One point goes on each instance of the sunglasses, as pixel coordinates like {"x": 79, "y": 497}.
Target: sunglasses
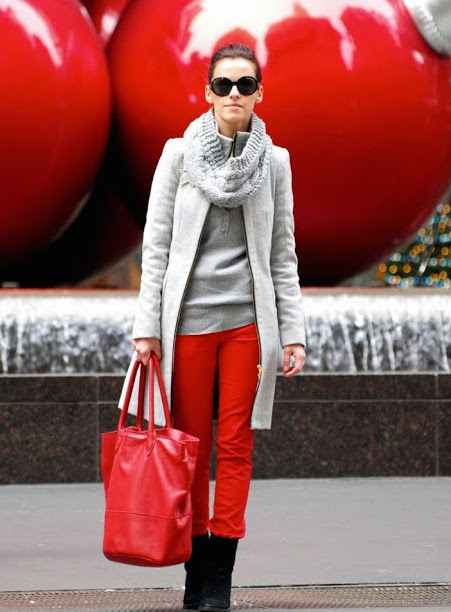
{"x": 222, "y": 86}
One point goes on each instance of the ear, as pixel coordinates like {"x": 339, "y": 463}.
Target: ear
{"x": 208, "y": 94}
{"x": 259, "y": 95}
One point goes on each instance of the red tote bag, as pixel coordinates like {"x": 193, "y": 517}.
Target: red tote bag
{"x": 147, "y": 475}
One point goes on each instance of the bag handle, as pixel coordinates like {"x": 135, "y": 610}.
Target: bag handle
{"x": 128, "y": 395}
{"x": 154, "y": 365}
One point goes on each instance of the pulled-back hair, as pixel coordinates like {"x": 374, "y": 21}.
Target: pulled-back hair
{"x": 234, "y": 50}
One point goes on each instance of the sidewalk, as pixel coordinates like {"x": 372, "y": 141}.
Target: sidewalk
{"x": 300, "y": 532}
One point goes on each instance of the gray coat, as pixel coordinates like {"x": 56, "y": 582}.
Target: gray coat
{"x": 176, "y": 215}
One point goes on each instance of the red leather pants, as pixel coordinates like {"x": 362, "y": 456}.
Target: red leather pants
{"x": 234, "y": 355}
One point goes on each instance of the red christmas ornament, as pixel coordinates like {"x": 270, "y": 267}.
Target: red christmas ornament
{"x": 352, "y": 89}
{"x": 55, "y": 115}
{"x": 104, "y": 228}
{"x": 101, "y": 235}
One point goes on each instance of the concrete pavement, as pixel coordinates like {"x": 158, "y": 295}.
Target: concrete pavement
{"x": 300, "y": 532}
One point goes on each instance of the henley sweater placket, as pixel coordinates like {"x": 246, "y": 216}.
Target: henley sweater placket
{"x": 219, "y": 294}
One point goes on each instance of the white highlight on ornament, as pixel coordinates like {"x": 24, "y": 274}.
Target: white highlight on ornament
{"x": 34, "y": 25}
{"x": 207, "y": 21}
{"x": 418, "y": 57}
{"x": 108, "y": 23}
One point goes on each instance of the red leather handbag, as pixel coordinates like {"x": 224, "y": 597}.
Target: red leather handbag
{"x": 147, "y": 476}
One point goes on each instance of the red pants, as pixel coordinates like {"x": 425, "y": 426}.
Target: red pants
{"x": 234, "y": 355}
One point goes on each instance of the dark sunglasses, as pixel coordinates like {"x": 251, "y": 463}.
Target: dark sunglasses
{"x": 222, "y": 86}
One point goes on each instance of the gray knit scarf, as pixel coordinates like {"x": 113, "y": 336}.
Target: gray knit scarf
{"x": 225, "y": 182}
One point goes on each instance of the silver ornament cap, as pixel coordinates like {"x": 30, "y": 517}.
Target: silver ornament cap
{"x": 433, "y": 19}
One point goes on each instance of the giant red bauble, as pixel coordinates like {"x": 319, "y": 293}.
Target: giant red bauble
{"x": 104, "y": 232}
{"x": 351, "y": 89}
{"x": 55, "y": 112}
{"x": 101, "y": 235}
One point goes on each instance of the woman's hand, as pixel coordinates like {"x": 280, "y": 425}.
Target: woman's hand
{"x": 144, "y": 347}
{"x": 298, "y": 352}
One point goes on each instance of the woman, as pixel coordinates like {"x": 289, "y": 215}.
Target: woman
{"x": 219, "y": 292}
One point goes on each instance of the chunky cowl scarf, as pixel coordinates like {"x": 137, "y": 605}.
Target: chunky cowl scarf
{"x": 225, "y": 182}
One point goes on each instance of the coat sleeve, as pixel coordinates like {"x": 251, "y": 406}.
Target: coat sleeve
{"x": 157, "y": 241}
{"x": 284, "y": 262}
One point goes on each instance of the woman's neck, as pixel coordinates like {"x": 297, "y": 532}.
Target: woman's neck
{"x": 230, "y": 130}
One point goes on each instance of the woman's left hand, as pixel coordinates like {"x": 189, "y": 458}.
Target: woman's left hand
{"x": 298, "y": 352}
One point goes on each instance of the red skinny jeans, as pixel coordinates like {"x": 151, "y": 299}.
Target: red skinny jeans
{"x": 232, "y": 355}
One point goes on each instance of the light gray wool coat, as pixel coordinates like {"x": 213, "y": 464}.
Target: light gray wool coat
{"x": 175, "y": 219}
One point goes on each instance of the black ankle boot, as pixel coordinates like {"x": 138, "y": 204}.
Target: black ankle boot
{"x": 196, "y": 568}
{"x": 218, "y": 582}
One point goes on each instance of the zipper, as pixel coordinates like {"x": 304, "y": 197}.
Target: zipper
{"x": 259, "y": 365}
{"x": 186, "y": 288}
{"x": 232, "y": 149}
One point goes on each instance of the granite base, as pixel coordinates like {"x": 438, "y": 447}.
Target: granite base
{"x": 324, "y": 426}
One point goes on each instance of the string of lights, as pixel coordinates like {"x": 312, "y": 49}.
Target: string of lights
{"x": 426, "y": 262}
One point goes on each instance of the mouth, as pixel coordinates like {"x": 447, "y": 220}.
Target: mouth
{"x": 233, "y": 106}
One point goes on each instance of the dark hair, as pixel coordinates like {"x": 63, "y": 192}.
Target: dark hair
{"x": 234, "y": 50}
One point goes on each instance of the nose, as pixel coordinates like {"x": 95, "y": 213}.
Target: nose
{"x": 234, "y": 91}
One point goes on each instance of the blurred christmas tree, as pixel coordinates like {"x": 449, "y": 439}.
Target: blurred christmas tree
{"x": 426, "y": 262}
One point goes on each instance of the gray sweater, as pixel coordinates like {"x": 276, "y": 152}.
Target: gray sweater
{"x": 219, "y": 293}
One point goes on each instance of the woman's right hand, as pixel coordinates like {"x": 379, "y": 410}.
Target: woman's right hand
{"x": 144, "y": 347}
